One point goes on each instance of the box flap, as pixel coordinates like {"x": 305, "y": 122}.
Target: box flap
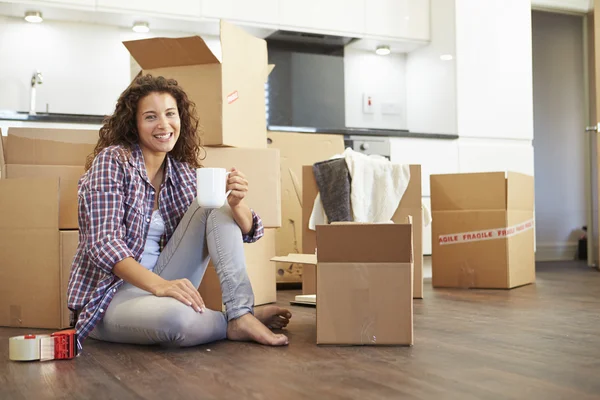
{"x": 270, "y": 68}
{"x": 23, "y": 150}
{"x": 364, "y": 243}
{"x": 472, "y": 191}
{"x": 310, "y": 259}
{"x": 520, "y": 191}
{"x": 170, "y": 52}
{"x": 29, "y": 203}
{"x": 2, "y": 159}
{"x": 89, "y": 136}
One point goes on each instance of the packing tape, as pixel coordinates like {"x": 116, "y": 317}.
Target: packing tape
{"x": 487, "y": 234}
{"x": 26, "y": 348}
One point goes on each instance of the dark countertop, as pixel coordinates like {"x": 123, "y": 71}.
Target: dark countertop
{"x": 363, "y": 132}
{"x": 7, "y": 115}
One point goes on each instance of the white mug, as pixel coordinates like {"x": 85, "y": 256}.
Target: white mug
{"x": 211, "y": 184}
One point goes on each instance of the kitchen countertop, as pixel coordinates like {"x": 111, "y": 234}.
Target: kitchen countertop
{"x": 7, "y": 115}
{"x": 364, "y": 132}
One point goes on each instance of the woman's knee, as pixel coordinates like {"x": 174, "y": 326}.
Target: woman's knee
{"x": 182, "y": 326}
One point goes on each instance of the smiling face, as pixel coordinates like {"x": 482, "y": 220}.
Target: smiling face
{"x": 158, "y": 123}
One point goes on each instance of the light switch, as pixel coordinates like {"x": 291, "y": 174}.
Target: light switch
{"x": 368, "y": 104}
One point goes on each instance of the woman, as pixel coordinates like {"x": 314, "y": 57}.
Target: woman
{"x": 144, "y": 243}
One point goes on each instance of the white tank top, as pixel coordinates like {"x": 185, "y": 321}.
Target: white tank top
{"x": 152, "y": 247}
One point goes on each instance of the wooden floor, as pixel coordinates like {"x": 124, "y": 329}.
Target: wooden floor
{"x": 537, "y": 342}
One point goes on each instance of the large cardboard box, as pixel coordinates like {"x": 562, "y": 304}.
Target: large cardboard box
{"x": 260, "y": 271}
{"x": 36, "y": 256}
{"x": 297, "y": 150}
{"x": 364, "y": 283}
{"x": 410, "y": 205}
{"x": 229, "y": 91}
{"x": 482, "y": 230}
{"x": 50, "y": 153}
{"x": 261, "y": 167}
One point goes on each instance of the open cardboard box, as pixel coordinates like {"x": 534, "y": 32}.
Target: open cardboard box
{"x": 261, "y": 167}
{"x": 410, "y": 205}
{"x": 364, "y": 287}
{"x": 38, "y": 198}
{"x": 49, "y": 153}
{"x": 297, "y": 150}
{"x": 229, "y": 93}
{"x": 483, "y": 230}
{"x": 260, "y": 271}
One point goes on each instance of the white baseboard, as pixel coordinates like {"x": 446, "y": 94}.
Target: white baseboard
{"x": 556, "y": 251}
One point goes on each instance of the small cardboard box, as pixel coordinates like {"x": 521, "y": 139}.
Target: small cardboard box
{"x": 36, "y": 256}
{"x": 482, "y": 230}
{"x": 260, "y": 271}
{"x": 364, "y": 283}
{"x": 261, "y": 167}
{"x": 410, "y": 205}
{"x": 297, "y": 150}
{"x": 229, "y": 93}
{"x": 49, "y": 153}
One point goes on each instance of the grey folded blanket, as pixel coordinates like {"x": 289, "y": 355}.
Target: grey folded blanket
{"x": 333, "y": 180}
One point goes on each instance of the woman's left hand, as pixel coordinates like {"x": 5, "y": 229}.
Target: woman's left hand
{"x": 237, "y": 183}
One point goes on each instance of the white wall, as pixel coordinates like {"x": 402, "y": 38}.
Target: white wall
{"x": 430, "y": 80}
{"x": 85, "y": 66}
{"x": 560, "y": 138}
{"x": 384, "y": 78}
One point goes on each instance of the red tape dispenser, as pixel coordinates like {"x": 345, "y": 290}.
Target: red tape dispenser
{"x": 61, "y": 345}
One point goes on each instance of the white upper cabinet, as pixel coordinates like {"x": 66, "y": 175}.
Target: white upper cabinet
{"x": 254, "y": 12}
{"x": 335, "y": 16}
{"x": 406, "y": 19}
{"x": 84, "y": 4}
{"x": 180, "y": 8}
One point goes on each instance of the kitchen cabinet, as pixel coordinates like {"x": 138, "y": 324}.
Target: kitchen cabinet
{"x": 80, "y": 4}
{"x": 254, "y": 12}
{"x": 346, "y": 17}
{"x": 406, "y": 19}
{"x": 178, "y": 8}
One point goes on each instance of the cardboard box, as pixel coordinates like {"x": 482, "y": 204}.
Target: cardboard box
{"x": 297, "y": 150}
{"x": 364, "y": 283}
{"x": 260, "y": 271}
{"x": 36, "y": 256}
{"x": 50, "y": 153}
{"x": 261, "y": 167}
{"x": 229, "y": 92}
{"x": 410, "y": 205}
{"x": 482, "y": 230}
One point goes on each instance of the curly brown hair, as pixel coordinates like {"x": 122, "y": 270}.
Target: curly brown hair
{"x": 120, "y": 128}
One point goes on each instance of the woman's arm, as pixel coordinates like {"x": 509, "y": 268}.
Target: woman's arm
{"x": 242, "y": 214}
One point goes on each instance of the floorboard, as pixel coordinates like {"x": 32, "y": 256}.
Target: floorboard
{"x": 540, "y": 341}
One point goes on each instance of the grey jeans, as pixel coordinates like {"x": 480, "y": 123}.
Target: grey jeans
{"x": 139, "y": 317}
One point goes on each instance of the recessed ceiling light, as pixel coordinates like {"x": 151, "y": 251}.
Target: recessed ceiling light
{"x": 141, "y": 27}
{"x": 383, "y": 50}
{"x": 33, "y": 16}
{"x": 446, "y": 57}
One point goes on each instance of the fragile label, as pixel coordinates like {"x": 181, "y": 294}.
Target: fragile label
{"x": 233, "y": 97}
{"x": 488, "y": 234}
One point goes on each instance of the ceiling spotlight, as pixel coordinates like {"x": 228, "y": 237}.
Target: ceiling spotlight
{"x": 446, "y": 57}
{"x": 33, "y": 16}
{"x": 141, "y": 27}
{"x": 383, "y": 50}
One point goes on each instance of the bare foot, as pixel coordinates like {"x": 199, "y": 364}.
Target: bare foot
{"x": 249, "y": 328}
{"x": 272, "y": 316}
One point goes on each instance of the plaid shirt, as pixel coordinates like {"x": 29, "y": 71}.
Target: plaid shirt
{"x": 116, "y": 200}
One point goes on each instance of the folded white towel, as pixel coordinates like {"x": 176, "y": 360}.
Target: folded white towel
{"x": 377, "y": 186}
